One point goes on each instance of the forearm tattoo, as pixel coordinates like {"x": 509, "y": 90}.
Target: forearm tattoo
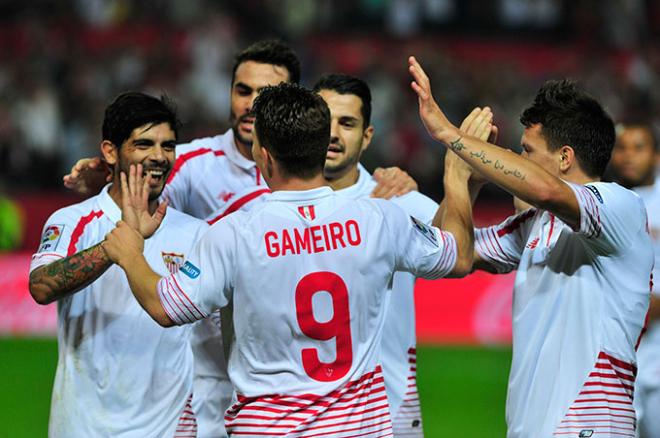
{"x": 72, "y": 273}
{"x": 457, "y": 146}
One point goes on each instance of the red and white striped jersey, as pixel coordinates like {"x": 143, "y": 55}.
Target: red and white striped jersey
{"x": 118, "y": 372}
{"x": 210, "y": 178}
{"x": 399, "y": 336}
{"x": 579, "y": 305}
{"x": 309, "y": 293}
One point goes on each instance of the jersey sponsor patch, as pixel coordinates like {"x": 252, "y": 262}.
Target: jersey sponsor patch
{"x": 173, "y": 261}
{"x": 425, "y": 230}
{"x": 596, "y": 193}
{"x": 587, "y": 432}
{"x": 51, "y": 238}
{"x": 190, "y": 270}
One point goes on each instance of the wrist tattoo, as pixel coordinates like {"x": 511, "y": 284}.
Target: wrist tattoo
{"x": 456, "y": 145}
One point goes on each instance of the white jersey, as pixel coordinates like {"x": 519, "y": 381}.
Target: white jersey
{"x": 119, "y": 373}
{"x": 648, "y": 356}
{"x": 399, "y": 336}
{"x": 579, "y": 304}
{"x": 307, "y": 275}
{"x": 210, "y": 178}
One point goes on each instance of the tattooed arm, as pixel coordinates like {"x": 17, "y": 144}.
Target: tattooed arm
{"x": 517, "y": 175}
{"x": 64, "y": 277}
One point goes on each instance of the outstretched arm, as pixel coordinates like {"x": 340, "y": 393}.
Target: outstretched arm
{"x": 515, "y": 174}
{"x": 64, "y": 277}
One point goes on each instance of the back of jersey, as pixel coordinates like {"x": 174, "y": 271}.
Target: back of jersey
{"x": 311, "y": 274}
{"x": 308, "y": 314}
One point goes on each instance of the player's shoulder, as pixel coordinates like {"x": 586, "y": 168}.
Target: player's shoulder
{"x": 418, "y": 205}
{"x": 614, "y": 196}
{"x": 200, "y": 146}
{"x": 74, "y": 212}
{"x": 178, "y": 221}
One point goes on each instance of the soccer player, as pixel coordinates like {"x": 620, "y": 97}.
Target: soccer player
{"x": 349, "y": 101}
{"x": 118, "y": 373}
{"x": 215, "y": 176}
{"x": 307, "y": 272}
{"x": 583, "y": 257}
{"x": 633, "y": 163}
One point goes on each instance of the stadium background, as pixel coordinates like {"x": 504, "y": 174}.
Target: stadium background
{"x": 61, "y": 62}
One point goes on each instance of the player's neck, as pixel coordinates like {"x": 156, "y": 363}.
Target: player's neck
{"x": 115, "y": 194}
{"x": 577, "y": 176}
{"x": 243, "y": 149}
{"x": 297, "y": 184}
{"x": 346, "y": 180}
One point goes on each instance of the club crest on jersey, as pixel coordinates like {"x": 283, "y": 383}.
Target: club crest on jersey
{"x": 190, "y": 270}
{"x": 51, "y": 238}
{"x": 596, "y": 193}
{"x": 173, "y": 261}
{"x": 586, "y": 433}
{"x": 307, "y": 211}
{"x": 425, "y": 230}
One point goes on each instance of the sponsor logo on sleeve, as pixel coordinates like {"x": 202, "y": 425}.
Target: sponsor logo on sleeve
{"x": 51, "y": 238}
{"x": 596, "y": 193}
{"x": 586, "y": 433}
{"x": 190, "y": 270}
{"x": 425, "y": 231}
{"x": 173, "y": 261}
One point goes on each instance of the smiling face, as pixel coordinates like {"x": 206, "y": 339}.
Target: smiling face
{"x": 348, "y": 135}
{"x": 250, "y": 78}
{"x": 151, "y": 145}
{"x": 634, "y": 157}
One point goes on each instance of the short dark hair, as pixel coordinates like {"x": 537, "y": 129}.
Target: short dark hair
{"x": 131, "y": 110}
{"x": 293, "y": 124}
{"x": 569, "y": 116}
{"x": 273, "y": 52}
{"x": 345, "y": 84}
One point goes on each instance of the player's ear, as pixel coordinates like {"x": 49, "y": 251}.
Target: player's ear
{"x": 566, "y": 158}
{"x": 268, "y": 160}
{"x": 110, "y": 152}
{"x": 366, "y": 137}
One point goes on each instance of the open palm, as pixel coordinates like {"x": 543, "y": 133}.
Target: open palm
{"x": 135, "y": 203}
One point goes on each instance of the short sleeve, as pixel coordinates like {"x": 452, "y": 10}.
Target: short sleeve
{"x": 56, "y": 237}
{"x": 204, "y": 282}
{"x": 422, "y": 250}
{"x": 502, "y": 245}
{"x": 610, "y": 215}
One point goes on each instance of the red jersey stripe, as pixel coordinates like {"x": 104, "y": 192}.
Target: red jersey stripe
{"x": 80, "y": 228}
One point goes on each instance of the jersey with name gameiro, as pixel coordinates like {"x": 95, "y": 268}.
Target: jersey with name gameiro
{"x": 211, "y": 179}
{"x": 307, "y": 275}
{"x": 119, "y": 373}
{"x": 399, "y": 337}
{"x": 579, "y": 304}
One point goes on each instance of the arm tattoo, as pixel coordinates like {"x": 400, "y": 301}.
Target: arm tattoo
{"x": 456, "y": 145}
{"x": 72, "y": 273}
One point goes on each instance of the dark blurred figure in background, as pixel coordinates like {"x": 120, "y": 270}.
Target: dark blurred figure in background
{"x": 634, "y": 165}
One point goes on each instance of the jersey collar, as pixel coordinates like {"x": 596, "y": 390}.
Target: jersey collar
{"x": 300, "y": 195}
{"x": 108, "y": 205}
{"x": 232, "y": 153}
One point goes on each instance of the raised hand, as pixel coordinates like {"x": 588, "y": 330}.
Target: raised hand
{"x": 432, "y": 116}
{"x": 88, "y": 176}
{"x": 392, "y": 181}
{"x": 135, "y": 203}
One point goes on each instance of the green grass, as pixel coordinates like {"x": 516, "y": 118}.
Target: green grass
{"x": 463, "y": 389}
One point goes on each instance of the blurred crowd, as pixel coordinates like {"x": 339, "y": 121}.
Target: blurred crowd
{"x": 61, "y": 62}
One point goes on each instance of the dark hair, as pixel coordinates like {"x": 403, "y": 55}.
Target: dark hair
{"x": 345, "y": 84}
{"x": 569, "y": 116}
{"x": 132, "y": 110}
{"x": 273, "y": 52}
{"x": 293, "y": 123}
